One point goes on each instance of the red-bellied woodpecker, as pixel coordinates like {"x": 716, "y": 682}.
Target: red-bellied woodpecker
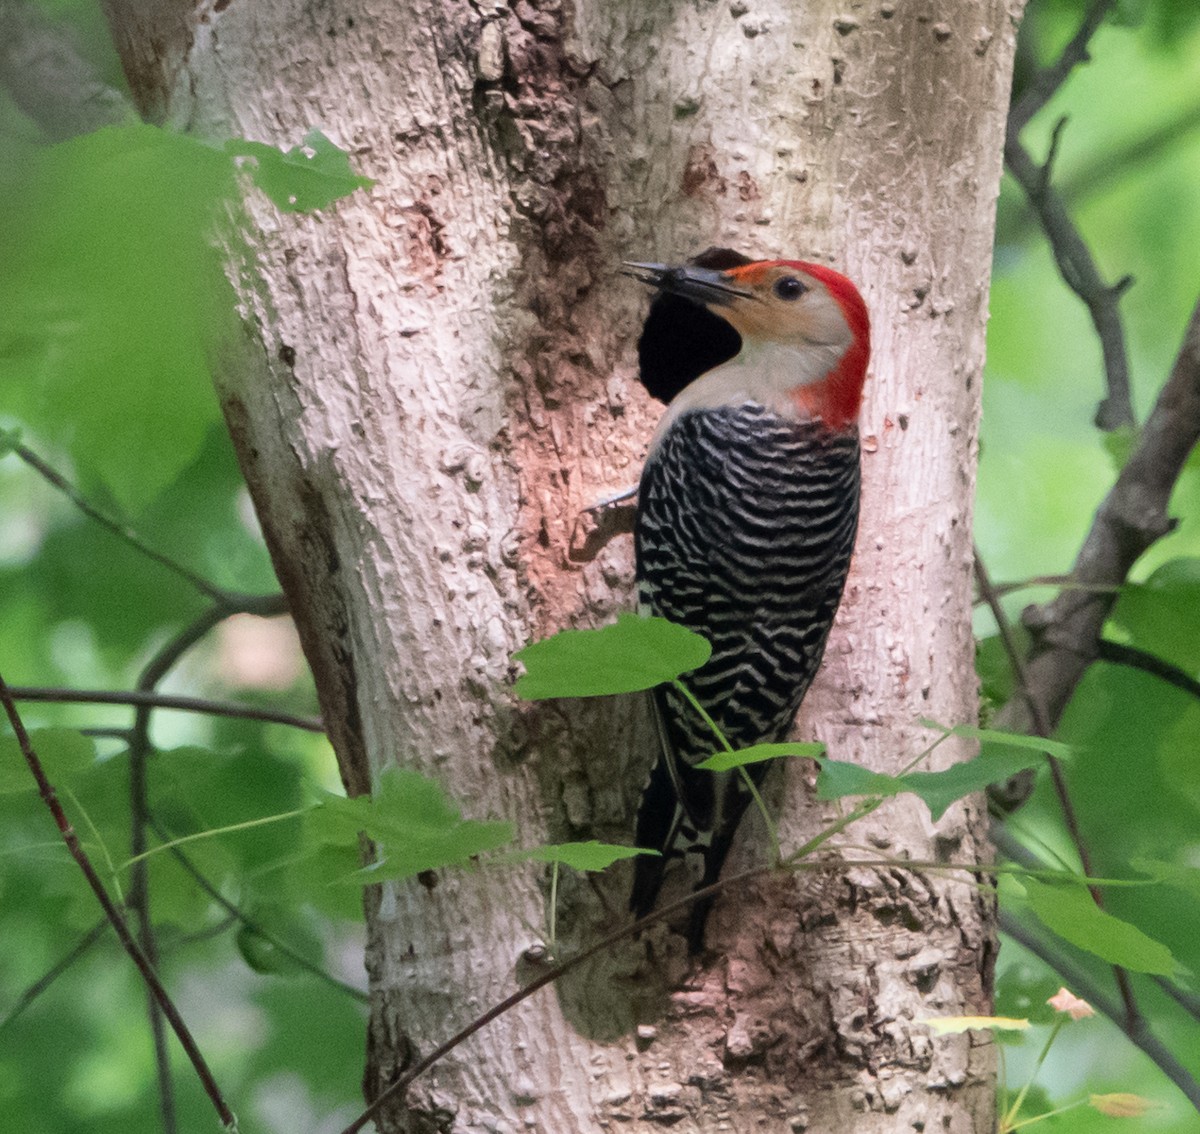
{"x": 747, "y": 513}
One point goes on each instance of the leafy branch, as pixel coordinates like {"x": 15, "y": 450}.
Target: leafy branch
{"x": 1067, "y": 632}
{"x": 639, "y": 653}
{"x": 144, "y": 698}
{"x": 1080, "y": 979}
{"x": 415, "y": 828}
{"x": 114, "y": 915}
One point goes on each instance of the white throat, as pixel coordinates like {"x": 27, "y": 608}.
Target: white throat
{"x": 764, "y": 372}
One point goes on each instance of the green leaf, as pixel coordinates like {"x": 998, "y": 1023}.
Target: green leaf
{"x": 1068, "y": 910}
{"x": 940, "y": 789}
{"x": 263, "y": 955}
{"x": 63, "y": 752}
{"x": 1007, "y": 739}
{"x": 316, "y": 878}
{"x": 1162, "y": 615}
{"x": 113, "y": 294}
{"x": 839, "y": 778}
{"x": 590, "y": 856}
{"x": 307, "y": 177}
{"x": 759, "y": 753}
{"x": 634, "y": 653}
{"x": 413, "y": 823}
{"x": 954, "y": 1025}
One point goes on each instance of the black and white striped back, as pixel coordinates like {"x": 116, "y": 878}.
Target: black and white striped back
{"x": 745, "y": 528}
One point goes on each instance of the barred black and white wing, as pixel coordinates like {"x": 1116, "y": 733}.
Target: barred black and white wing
{"x": 746, "y": 524}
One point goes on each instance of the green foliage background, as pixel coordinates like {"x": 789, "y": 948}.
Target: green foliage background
{"x": 1128, "y": 164}
{"x": 109, "y": 301}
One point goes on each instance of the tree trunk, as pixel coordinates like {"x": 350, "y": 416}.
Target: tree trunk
{"x": 439, "y": 374}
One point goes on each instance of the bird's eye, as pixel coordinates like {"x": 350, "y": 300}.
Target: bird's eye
{"x": 789, "y": 288}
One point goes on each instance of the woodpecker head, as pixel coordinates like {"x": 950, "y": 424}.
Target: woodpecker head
{"x": 801, "y": 329}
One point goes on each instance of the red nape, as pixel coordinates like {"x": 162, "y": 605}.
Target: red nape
{"x": 837, "y": 398}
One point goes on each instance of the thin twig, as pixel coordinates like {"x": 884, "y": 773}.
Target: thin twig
{"x": 1046, "y": 83}
{"x": 1080, "y": 982}
{"x": 116, "y": 919}
{"x": 396, "y": 1088}
{"x": 1081, "y": 275}
{"x": 1041, "y": 722}
{"x": 1108, "y": 166}
{"x": 1071, "y": 254}
{"x": 153, "y": 699}
{"x": 140, "y": 749}
{"x": 122, "y": 531}
{"x": 229, "y": 601}
{"x": 208, "y": 933}
{"x": 56, "y": 970}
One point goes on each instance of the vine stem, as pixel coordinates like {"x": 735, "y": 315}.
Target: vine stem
{"x": 212, "y": 832}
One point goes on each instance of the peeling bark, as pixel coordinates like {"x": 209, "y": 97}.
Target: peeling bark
{"x": 438, "y": 376}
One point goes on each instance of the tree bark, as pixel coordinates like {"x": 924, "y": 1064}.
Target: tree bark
{"x": 437, "y": 377}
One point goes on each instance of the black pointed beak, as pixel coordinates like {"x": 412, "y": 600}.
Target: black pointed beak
{"x": 700, "y": 285}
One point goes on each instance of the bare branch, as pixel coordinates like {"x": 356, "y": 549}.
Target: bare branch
{"x": 116, "y": 919}
{"x": 1110, "y": 166}
{"x": 1080, "y": 274}
{"x": 156, "y": 700}
{"x": 1074, "y": 260}
{"x": 229, "y": 602}
{"x": 1042, "y": 89}
{"x": 1119, "y": 654}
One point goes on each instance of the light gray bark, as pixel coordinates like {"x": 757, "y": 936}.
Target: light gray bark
{"x": 438, "y": 375}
